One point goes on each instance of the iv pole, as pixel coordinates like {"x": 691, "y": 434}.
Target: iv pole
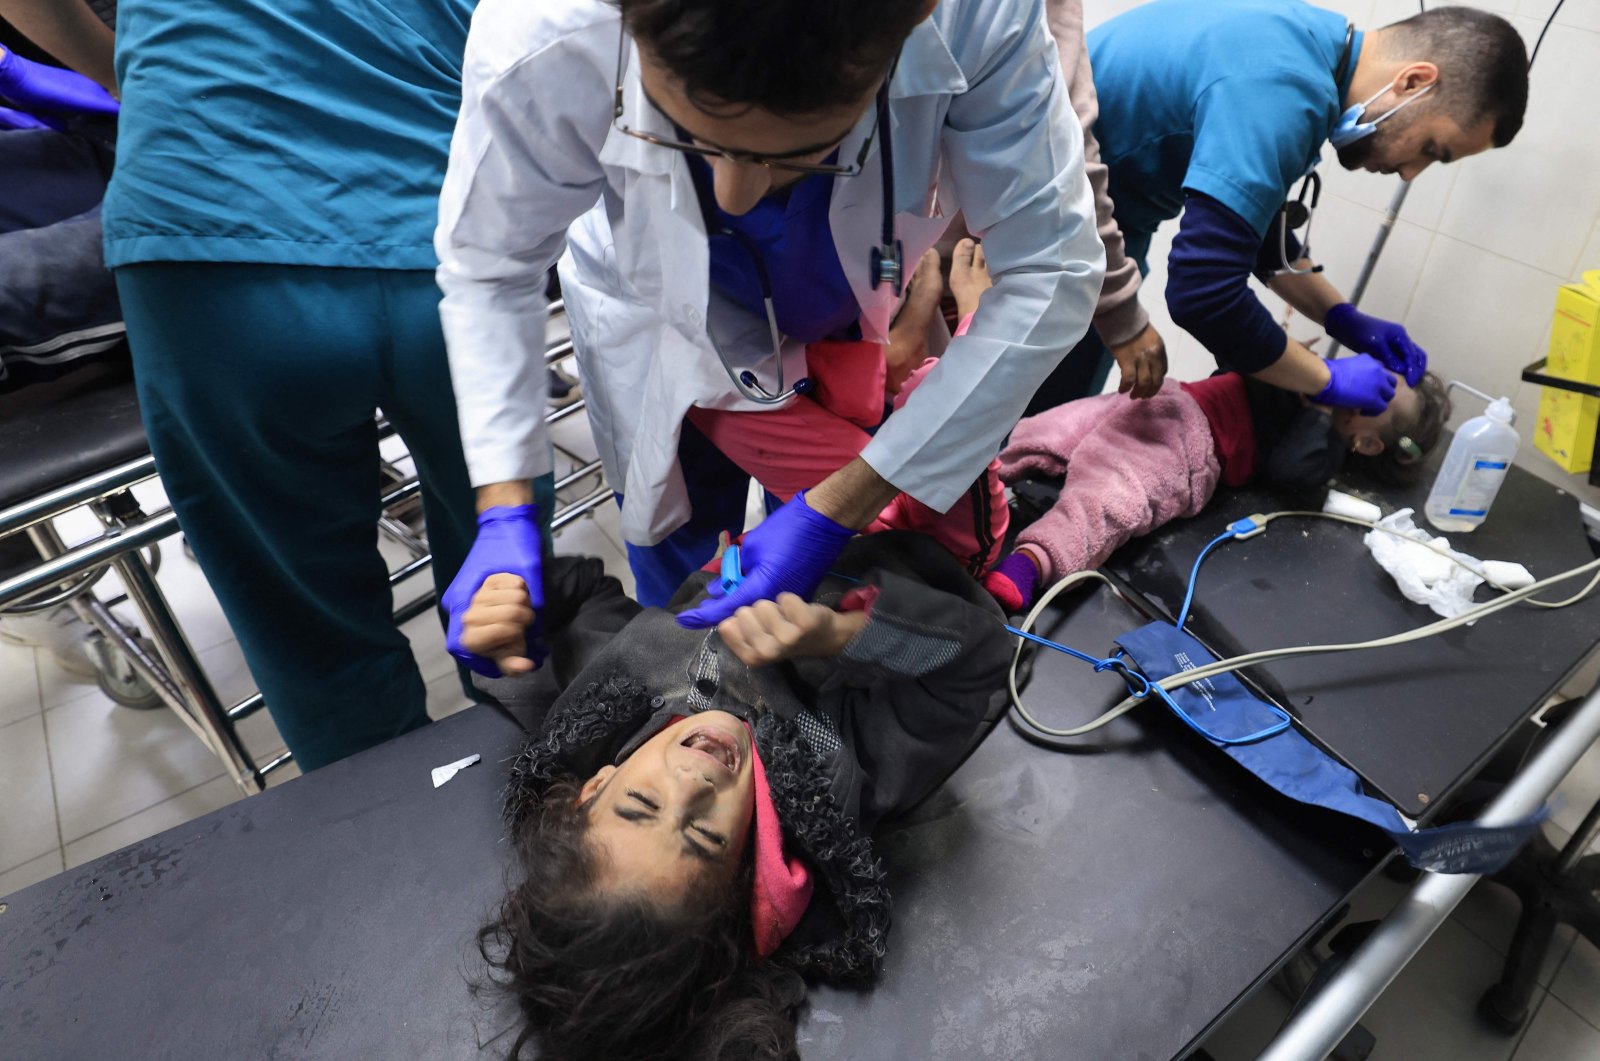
{"x": 1376, "y": 251}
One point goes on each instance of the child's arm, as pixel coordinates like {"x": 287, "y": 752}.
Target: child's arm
{"x": 584, "y": 608}
{"x": 496, "y": 623}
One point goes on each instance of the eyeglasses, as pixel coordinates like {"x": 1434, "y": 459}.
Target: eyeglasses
{"x": 746, "y": 157}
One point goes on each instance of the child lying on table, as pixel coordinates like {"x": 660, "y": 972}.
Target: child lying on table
{"x": 1133, "y": 466}
{"x": 692, "y": 814}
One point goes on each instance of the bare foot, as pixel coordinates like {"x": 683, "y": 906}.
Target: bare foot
{"x": 969, "y": 276}
{"x": 908, "y": 336}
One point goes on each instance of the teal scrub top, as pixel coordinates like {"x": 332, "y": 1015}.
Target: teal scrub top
{"x": 1230, "y": 98}
{"x": 291, "y": 132}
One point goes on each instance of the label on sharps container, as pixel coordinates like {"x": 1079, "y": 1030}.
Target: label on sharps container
{"x": 1485, "y": 473}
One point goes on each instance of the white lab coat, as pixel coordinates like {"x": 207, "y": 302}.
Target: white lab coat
{"x": 982, "y": 123}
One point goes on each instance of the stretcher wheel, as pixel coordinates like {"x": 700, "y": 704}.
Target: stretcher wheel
{"x": 119, "y": 681}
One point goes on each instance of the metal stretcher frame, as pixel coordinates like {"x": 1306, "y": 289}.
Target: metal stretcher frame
{"x": 174, "y": 671}
{"x": 1313, "y": 1032}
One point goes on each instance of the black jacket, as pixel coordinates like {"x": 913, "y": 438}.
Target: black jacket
{"x": 1297, "y": 449}
{"x": 845, "y": 742}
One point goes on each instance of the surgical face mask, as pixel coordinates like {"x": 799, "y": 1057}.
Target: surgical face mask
{"x": 1351, "y": 128}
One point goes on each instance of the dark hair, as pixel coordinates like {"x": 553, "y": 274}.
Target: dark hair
{"x": 620, "y": 978}
{"x": 1394, "y": 465}
{"x": 790, "y": 57}
{"x": 1483, "y": 64}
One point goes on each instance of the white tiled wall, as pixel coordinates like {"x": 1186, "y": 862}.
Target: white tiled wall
{"x": 1481, "y": 246}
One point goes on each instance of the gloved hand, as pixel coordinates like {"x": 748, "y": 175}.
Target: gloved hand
{"x": 15, "y": 119}
{"x": 508, "y": 541}
{"x": 48, "y": 88}
{"x": 1359, "y": 383}
{"x": 788, "y": 552}
{"x": 1384, "y": 340}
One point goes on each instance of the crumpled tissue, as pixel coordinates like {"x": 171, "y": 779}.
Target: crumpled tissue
{"x": 1422, "y": 566}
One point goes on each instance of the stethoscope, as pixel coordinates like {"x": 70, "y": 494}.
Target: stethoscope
{"x": 1302, "y": 209}
{"x": 886, "y": 267}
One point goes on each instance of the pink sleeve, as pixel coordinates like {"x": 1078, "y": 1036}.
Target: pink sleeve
{"x": 961, "y": 329}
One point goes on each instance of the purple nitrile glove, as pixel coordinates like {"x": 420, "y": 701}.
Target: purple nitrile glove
{"x": 1359, "y": 383}
{"x": 788, "y": 552}
{"x": 508, "y": 542}
{"x": 13, "y": 119}
{"x": 48, "y": 88}
{"x": 1384, "y": 340}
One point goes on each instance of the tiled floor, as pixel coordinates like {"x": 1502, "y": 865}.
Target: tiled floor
{"x": 81, "y": 777}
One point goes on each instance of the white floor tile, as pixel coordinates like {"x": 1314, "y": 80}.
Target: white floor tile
{"x": 19, "y": 683}
{"x": 609, "y": 519}
{"x": 186, "y": 806}
{"x": 585, "y": 537}
{"x": 1558, "y": 1034}
{"x": 427, "y": 645}
{"x": 446, "y": 697}
{"x": 1490, "y": 912}
{"x": 1430, "y": 1011}
{"x": 28, "y": 827}
{"x": 109, "y": 762}
{"x": 41, "y": 868}
{"x": 58, "y": 687}
{"x": 574, "y": 436}
{"x": 1578, "y": 982}
{"x": 191, "y": 598}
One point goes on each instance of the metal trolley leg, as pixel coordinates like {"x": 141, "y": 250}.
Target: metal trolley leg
{"x": 177, "y": 676}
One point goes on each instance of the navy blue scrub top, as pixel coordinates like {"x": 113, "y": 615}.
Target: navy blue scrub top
{"x": 811, "y": 297}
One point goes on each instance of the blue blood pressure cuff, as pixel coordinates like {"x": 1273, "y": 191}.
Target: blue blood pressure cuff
{"x": 1229, "y": 716}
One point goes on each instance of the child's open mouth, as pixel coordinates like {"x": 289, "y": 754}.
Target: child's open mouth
{"x": 718, "y": 746}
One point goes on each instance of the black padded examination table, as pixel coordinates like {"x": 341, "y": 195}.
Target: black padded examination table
{"x": 1414, "y": 720}
{"x": 1095, "y": 905}
{"x": 1110, "y": 902}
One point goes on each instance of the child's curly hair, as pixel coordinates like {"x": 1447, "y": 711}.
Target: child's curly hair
{"x": 1400, "y": 463}
{"x": 598, "y": 975}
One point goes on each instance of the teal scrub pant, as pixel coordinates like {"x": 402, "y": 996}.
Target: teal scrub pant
{"x": 258, "y": 386}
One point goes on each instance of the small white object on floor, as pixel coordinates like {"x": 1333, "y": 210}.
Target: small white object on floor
{"x": 1342, "y": 504}
{"x": 441, "y": 774}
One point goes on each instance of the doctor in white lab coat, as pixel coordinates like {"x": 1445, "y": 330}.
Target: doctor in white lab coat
{"x": 542, "y": 162}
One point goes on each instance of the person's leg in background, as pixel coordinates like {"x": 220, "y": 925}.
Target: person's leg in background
{"x": 417, "y": 396}
{"x": 718, "y": 492}
{"x": 50, "y": 177}
{"x": 258, "y": 385}
{"x": 58, "y": 304}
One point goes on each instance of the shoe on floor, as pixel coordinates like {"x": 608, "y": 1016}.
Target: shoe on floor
{"x": 564, "y": 388}
{"x": 60, "y": 632}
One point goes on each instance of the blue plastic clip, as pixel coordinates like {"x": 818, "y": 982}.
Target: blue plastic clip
{"x": 732, "y": 573}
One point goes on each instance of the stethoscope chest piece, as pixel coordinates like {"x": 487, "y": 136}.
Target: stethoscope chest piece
{"x": 888, "y": 266}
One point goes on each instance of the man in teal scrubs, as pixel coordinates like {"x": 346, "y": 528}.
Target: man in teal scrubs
{"x": 1217, "y": 108}
{"x": 270, "y": 225}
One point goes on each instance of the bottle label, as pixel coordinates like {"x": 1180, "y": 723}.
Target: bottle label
{"x": 1485, "y": 473}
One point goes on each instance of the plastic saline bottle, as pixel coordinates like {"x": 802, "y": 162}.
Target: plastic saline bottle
{"x": 1473, "y": 470}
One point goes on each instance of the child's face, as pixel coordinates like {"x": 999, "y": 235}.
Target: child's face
{"x": 675, "y": 814}
{"x": 1367, "y": 434}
